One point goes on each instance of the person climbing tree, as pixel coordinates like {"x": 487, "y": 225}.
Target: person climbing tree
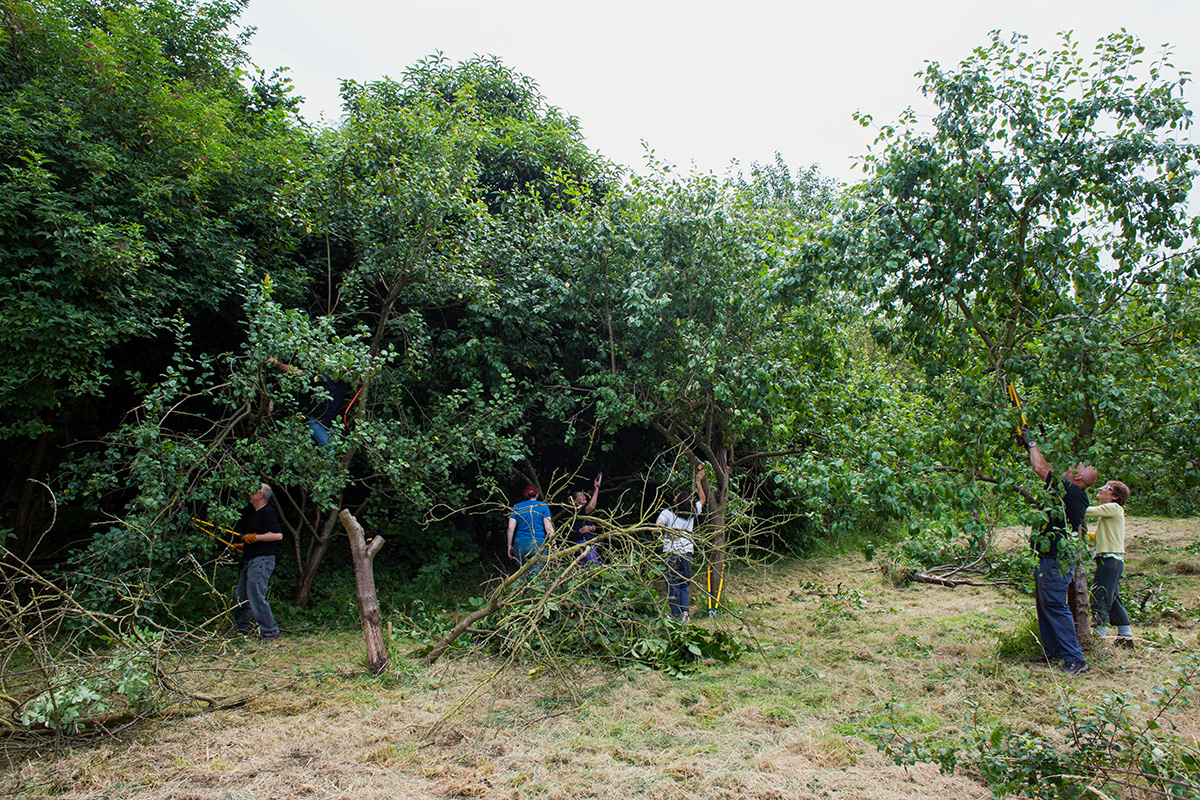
{"x": 329, "y": 402}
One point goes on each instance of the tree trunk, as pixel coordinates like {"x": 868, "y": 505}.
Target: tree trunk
{"x": 368, "y": 598}
{"x": 718, "y": 505}
{"x": 316, "y": 552}
{"x": 23, "y": 519}
{"x": 1079, "y": 600}
{"x": 320, "y": 543}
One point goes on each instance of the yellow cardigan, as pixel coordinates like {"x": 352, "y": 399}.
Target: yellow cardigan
{"x": 1110, "y": 533}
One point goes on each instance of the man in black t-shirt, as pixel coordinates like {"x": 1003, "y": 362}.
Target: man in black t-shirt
{"x": 1067, "y": 501}
{"x": 261, "y": 534}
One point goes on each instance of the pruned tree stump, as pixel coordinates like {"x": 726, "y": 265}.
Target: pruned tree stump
{"x": 368, "y": 599}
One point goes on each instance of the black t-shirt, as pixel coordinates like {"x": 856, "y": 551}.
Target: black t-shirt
{"x": 326, "y": 411}
{"x": 1072, "y": 500}
{"x": 578, "y": 535}
{"x": 264, "y": 520}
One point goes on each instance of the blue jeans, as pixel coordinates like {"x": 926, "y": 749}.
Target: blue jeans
{"x": 679, "y": 578}
{"x": 525, "y": 550}
{"x": 252, "y": 596}
{"x": 1055, "y": 623}
{"x": 319, "y": 432}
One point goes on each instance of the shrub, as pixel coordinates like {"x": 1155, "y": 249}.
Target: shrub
{"x": 1107, "y": 748}
{"x": 611, "y": 614}
{"x": 127, "y": 680}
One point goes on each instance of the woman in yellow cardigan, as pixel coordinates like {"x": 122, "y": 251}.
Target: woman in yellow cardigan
{"x": 1110, "y": 561}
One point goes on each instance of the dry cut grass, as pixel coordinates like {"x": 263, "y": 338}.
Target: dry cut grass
{"x": 839, "y": 649}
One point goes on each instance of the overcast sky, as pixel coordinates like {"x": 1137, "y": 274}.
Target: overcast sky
{"x": 700, "y": 82}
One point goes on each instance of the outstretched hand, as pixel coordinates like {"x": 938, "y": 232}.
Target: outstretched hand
{"x": 1025, "y": 437}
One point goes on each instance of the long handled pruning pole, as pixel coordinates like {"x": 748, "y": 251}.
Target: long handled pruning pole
{"x": 1023, "y": 425}
{"x": 714, "y": 601}
{"x": 211, "y": 530}
{"x": 350, "y": 405}
{"x": 1016, "y": 403}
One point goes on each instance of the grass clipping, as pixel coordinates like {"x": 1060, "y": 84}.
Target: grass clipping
{"x": 839, "y": 652}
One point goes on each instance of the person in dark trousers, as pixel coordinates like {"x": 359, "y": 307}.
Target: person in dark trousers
{"x": 261, "y": 534}
{"x": 584, "y": 530}
{"x": 1110, "y": 562}
{"x": 1055, "y": 569}
{"x": 323, "y": 412}
{"x": 678, "y": 547}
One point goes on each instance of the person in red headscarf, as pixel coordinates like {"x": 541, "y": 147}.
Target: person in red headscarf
{"x": 529, "y": 527}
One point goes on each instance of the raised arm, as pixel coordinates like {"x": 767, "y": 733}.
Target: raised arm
{"x": 282, "y": 367}
{"x": 1041, "y": 466}
{"x": 1105, "y": 510}
{"x": 591, "y": 504}
{"x": 700, "y": 486}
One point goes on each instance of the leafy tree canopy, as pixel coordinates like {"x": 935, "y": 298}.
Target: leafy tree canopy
{"x": 130, "y": 147}
{"x": 1038, "y": 232}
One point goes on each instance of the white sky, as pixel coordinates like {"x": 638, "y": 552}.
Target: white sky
{"x": 701, "y": 82}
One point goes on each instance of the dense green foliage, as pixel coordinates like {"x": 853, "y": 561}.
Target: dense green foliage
{"x": 138, "y": 171}
{"x": 1110, "y": 745}
{"x": 511, "y": 308}
{"x": 1039, "y": 234}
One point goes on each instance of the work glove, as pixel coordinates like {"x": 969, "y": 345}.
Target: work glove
{"x": 249, "y": 538}
{"x": 1025, "y": 437}
{"x": 237, "y": 548}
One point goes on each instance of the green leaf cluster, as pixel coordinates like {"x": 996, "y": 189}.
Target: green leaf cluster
{"x": 127, "y": 680}
{"x": 1114, "y": 746}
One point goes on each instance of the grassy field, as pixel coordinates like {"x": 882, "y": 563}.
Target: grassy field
{"x": 840, "y": 650}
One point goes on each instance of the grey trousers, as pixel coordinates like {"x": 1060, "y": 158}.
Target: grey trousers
{"x": 252, "y": 596}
